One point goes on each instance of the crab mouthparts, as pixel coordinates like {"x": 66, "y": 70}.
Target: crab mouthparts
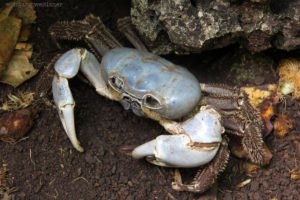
{"x": 132, "y": 103}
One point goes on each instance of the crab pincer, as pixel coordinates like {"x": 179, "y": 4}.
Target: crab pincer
{"x": 195, "y": 145}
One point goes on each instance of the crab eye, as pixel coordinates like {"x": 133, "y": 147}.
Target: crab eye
{"x": 116, "y": 83}
{"x": 151, "y": 102}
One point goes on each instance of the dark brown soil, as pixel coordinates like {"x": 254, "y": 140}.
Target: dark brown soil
{"x": 45, "y": 165}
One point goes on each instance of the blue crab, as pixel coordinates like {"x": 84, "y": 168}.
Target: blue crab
{"x": 155, "y": 88}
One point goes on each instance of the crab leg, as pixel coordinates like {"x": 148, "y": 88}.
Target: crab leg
{"x": 91, "y": 29}
{"x": 125, "y": 26}
{"x": 66, "y": 67}
{"x": 247, "y": 124}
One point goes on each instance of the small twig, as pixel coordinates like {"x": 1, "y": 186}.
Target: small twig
{"x": 22, "y": 139}
{"x": 80, "y": 178}
{"x": 171, "y": 196}
{"x": 160, "y": 172}
{"x": 31, "y": 160}
{"x": 51, "y": 182}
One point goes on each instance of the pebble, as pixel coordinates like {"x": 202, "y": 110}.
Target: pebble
{"x": 38, "y": 188}
{"x": 257, "y": 195}
{"x": 265, "y": 185}
{"x": 254, "y": 186}
{"x": 130, "y": 183}
{"x": 19, "y": 148}
{"x": 89, "y": 158}
{"x": 113, "y": 170}
{"x": 227, "y": 196}
{"x": 101, "y": 151}
{"x": 123, "y": 179}
{"x": 79, "y": 172}
{"x": 259, "y": 80}
{"x": 267, "y": 172}
{"x": 130, "y": 197}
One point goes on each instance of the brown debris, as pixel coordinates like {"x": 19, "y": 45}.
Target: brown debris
{"x": 15, "y": 125}
{"x": 295, "y": 175}
{"x": 3, "y": 173}
{"x": 289, "y": 81}
{"x": 19, "y": 101}
{"x": 3, "y": 183}
{"x": 250, "y": 169}
{"x": 282, "y": 125}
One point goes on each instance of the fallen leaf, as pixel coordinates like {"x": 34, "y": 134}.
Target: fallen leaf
{"x": 26, "y": 13}
{"x": 15, "y": 23}
{"x": 10, "y": 28}
{"x": 19, "y": 70}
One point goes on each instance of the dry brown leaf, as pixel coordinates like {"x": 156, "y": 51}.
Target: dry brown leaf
{"x": 10, "y": 28}
{"x": 23, "y": 46}
{"x": 15, "y": 24}
{"x": 19, "y": 70}
{"x": 26, "y": 13}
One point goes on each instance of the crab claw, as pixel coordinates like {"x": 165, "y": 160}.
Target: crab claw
{"x": 65, "y": 103}
{"x": 66, "y": 67}
{"x": 174, "y": 151}
{"x": 195, "y": 145}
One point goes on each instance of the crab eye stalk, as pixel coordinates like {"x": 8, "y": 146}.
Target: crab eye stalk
{"x": 116, "y": 83}
{"x": 151, "y": 102}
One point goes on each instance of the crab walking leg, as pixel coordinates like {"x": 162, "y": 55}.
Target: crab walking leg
{"x": 125, "y": 27}
{"x": 66, "y": 67}
{"x": 240, "y": 117}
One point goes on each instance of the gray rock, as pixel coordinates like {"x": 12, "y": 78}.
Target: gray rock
{"x": 196, "y": 25}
